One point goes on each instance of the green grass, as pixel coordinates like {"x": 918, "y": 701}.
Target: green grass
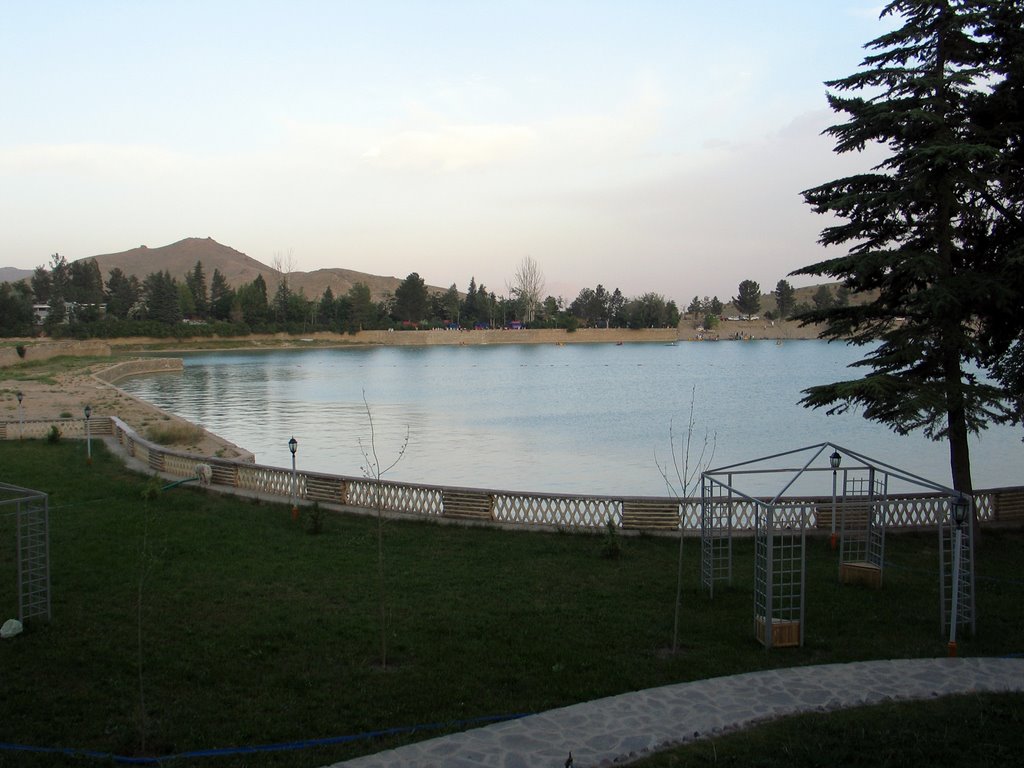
{"x": 254, "y": 632}
{"x": 965, "y": 731}
{"x": 47, "y": 370}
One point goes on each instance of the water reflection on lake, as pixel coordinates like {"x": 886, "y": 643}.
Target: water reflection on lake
{"x": 587, "y": 418}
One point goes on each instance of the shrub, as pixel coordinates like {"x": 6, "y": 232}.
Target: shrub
{"x": 53, "y": 436}
{"x": 174, "y": 434}
{"x": 315, "y": 519}
{"x": 151, "y": 489}
{"x": 612, "y": 547}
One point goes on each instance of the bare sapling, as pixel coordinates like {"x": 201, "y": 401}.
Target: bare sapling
{"x": 682, "y": 478}
{"x": 373, "y": 470}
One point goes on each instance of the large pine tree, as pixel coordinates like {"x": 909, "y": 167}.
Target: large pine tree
{"x": 917, "y": 227}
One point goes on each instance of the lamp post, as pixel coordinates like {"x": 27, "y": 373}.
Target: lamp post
{"x": 21, "y": 415}
{"x": 88, "y": 435}
{"x": 834, "y": 461}
{"x": 293, "y": 445}
{"x": 959, "y": 509}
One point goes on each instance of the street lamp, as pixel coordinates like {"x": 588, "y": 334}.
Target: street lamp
{"x": 293, "y": 446}
{"x": 834, "y": 461}
{"x": 960, "y": 508}
{"x": 88, "y": 435}
{"x": 21, "y": 415}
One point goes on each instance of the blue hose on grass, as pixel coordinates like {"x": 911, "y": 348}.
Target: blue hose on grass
{"x": 290, "y": 746}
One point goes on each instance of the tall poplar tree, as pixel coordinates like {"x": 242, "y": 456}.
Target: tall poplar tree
{"x": 914, "y": 226}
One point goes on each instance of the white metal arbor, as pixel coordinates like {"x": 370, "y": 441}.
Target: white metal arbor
{"x": 30, "y": 510}
{"x": 856, "y": 512}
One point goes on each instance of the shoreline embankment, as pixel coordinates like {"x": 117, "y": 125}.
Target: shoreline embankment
{"x": 19, "y": 351}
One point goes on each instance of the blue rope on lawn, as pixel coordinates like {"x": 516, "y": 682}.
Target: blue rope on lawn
{"x": 288, "y": 746}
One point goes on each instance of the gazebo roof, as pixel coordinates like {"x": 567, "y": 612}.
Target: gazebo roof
{"x": 793, "y": 464}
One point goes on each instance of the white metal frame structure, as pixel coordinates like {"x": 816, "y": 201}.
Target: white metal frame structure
{"x": 780, "y": 533}
{"x": 32, "y": 521}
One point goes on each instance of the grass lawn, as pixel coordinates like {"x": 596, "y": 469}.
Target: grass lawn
{"x": 251, "y": 631}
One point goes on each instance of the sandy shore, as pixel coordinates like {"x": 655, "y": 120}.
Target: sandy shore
{"x": 60, "y": 391}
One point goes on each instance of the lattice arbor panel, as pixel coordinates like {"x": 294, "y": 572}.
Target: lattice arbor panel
{"x": 716, "y": 524}
{"x": 691, "y": 514}
{"x": 265, "y": 480}
{"x": 862, "y": 527}
{"x": 779, "y": 570}
{"x": 30, "y": 511}
{"x": 913, "y": 511}
{"x": 985, "y": 504}
{"x": 566, "y": 511}
{"x": 395, "y": 497}
{"x": 961, "y": 561}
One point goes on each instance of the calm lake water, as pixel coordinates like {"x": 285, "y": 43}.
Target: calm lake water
{"x": 587, "y": 418}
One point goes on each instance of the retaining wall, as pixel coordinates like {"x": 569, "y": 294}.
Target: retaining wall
{"x": 491, "y": 506}
{"x": 137, "y": 367}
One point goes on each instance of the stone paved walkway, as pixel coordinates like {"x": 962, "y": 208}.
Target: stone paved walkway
{"x": 623, "y": 728}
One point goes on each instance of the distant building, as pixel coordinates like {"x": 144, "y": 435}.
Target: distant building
{"x": 71, "y": 308}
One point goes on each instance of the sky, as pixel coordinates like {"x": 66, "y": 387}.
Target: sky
{"x": 648, "y": 145}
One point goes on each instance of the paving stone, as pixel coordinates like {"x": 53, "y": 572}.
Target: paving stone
{"x": 621, "y": 728}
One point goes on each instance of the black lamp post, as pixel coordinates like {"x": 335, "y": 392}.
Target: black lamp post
{"x": 834, "y": 461}
{"x": 293, "y": 446}
{"x": 88, "y": 435}
{"x": 960, "y": 507}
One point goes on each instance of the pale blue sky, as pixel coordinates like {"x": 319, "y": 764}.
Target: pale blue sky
{"x": 642, "y": 145}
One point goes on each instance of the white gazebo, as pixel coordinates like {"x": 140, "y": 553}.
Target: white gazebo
{"x": 862, "y": 497}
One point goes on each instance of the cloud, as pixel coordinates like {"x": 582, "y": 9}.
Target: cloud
{"x": 448, "y": 148}
{"x": 90, "y": 160}
{"x": 437, "y": 138}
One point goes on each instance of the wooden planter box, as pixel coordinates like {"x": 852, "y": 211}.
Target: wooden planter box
{"x": 860, "y": 573}
{"x": 785, "y": 634}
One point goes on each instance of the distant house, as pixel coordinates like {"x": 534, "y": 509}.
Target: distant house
{"x": 71, "y": 308}
{"x": 40, "y": 312}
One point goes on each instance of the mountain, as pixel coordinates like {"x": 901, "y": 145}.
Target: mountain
{"x": 13, "y": 274}
{"x": 180, "y": 259}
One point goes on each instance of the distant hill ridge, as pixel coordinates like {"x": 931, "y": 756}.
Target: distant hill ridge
{"x": 238, "y": 269}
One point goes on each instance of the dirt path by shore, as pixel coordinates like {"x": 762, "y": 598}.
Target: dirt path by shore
{"x": 61, "y": 389}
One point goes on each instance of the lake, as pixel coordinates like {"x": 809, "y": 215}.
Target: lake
{"x": 584, "y": 418}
